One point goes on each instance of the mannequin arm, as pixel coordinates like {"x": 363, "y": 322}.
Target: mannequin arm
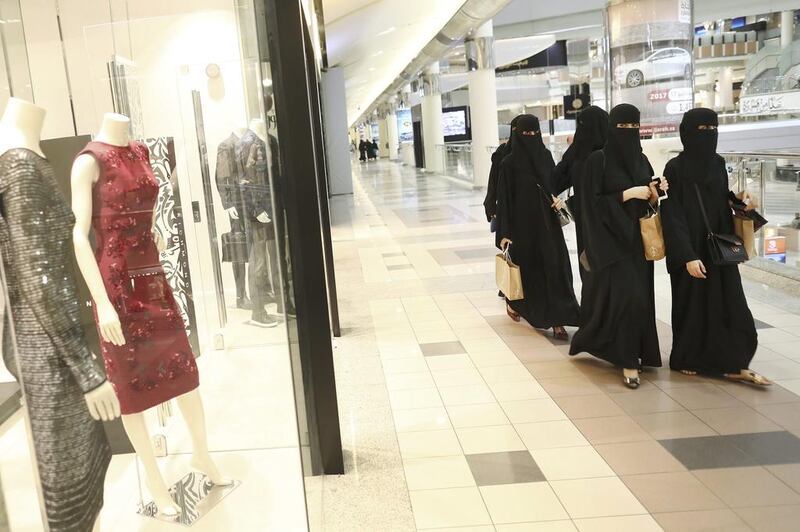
{"x": 85, "y": 173}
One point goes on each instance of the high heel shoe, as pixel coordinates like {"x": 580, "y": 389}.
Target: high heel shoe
{"x": 511, "y": 314}
{"x": 631, "y": 382}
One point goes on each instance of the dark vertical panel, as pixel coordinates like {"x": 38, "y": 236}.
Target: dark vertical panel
{"x": 287, "y": 55}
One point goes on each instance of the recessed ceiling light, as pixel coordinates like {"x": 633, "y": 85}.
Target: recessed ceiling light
{"x": 379, "y": 52}
{"x": 386, "y": 31}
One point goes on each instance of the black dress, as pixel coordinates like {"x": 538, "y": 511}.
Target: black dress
{"x": 618, "y": 322}
{"x": 57, "y": 368}
{"x": 527, "y": 219}
{"x": 713, "y": 330}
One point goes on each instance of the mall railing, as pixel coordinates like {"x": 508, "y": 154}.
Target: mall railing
{"x": 456, "y": 160}
{"x": 774, "y": 179}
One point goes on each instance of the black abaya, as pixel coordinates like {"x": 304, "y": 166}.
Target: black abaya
{"x": 490, "y": 202}
{"x": 618, "y": 322}
{"x": 527, "y": 219}
{"x": 713, "y": 329}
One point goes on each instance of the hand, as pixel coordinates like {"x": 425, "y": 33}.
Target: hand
{"x": 161, "y": 245}
{"x": 233, "y": 213}
{"x": 641, "y": 192}
{"x": 108, "y": 322}
{"x": 102, "y": 402}
{"x": 263, "y": 218}
{"x": 558, "y": 203}
{"x": 504, "y": 243}
{"x": 748, "y": 200}
{"x": 696, "y": 269}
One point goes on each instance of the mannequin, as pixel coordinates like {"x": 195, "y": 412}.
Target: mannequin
{"x": 86, "y": 171}
{"x": 64, "y": 389}
{"x": 259, "y": 127}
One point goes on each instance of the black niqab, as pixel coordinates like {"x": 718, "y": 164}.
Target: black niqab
{"x": 699, "y": 144}
{"x": 533, "y": 153}
{"x": 591, "y": 131}
{"x": 623, "y": 145}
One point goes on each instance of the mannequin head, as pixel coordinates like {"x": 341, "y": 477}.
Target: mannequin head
{"x": 21, "y": 126}
{"x": 259, "y": 127}
{"x": 115, "y": 129}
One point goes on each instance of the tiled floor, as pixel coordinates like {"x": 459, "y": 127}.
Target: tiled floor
{"x": 477, "y": 423}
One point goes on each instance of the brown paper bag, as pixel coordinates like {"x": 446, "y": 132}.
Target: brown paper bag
{"x": 745, "y": 230}
{"x": 508, "y": 277}
{"x": 652, "y": 237}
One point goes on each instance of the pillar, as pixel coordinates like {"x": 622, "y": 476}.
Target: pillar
{"x": 432, "y": 128}
{"x": 479, "y": 49}
{"x": 334, "y": 120}
{"x": 787, "y": 28}
{"x": 383, "y": 136}
{"x": 726, "y": 88}
{"x": 392, "y": 137}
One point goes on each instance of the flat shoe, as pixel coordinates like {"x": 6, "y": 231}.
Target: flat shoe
{"x": 749, "y": 376}
{"x": 631, "y": 382}
{"x": 511, "y": 314}
{"x": 562, "y": 335}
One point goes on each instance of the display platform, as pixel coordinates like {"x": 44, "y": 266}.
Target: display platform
{"x": 194, "y": 495}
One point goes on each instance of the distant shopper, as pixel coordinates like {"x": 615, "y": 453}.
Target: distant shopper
{"x": 490, "y": 202}
{"x": 375, "y": 149}
{"x": 712, "y": 327}
{"x": 362, "y": 150}
{"x": 372, "y": 150}
{"x": 529, "y": 225}
{"x": 795, "y": 224}
{"x": 618, "y": 315}
{"x": 590, "y": 135}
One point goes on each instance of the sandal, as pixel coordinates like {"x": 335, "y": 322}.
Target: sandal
{"x": 688, "y": 372}
{"x": 512, "y": 314}
{"x": 749, "y": 376}
{"x": 559, "y": 333}
{"x": 630, "y": 382}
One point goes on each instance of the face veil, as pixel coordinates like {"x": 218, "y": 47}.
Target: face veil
{"x": 699, "y": 137}
{"x": 623, "y": 146}
{"x": 528, "y": 146}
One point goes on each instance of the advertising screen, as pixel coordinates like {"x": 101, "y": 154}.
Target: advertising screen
{"x": 405, "y": 127}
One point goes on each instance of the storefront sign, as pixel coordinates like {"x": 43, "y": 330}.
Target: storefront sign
{"x": 764, "y": 104}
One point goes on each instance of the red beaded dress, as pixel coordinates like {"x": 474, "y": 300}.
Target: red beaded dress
{"x": 156, "y": 363}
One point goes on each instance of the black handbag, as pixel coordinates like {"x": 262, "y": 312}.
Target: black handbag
{"x": 724, "y": 250}
{"x": 564, "y": 215}
{"x": 235, "y": 247}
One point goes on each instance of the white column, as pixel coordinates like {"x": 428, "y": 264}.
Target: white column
{"x": 334, "y": 120}
{"x": 726, "y": 88}
{"x": 432, "y": 129}
{"x": 482, "y": 101}
{"x": 392, "y": 137}
{"x": 383, "y": 140}
{"x": 787, "y": 28}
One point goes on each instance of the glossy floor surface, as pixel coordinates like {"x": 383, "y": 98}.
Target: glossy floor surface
{"x": 454, "y": 417}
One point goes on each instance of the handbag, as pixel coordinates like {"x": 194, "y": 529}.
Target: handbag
{"x": 652, "y": 236}
{"x": 508, "y": 276}
{"x": 740, "y": 211}
{"x": 724, "y": 250}
{"x": 564, "y": 215}
{"x": 234, "y": 247}
{"x": 745, "y": 229}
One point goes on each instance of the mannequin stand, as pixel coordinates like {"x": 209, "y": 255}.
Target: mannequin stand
{"x": 194, "y": 497}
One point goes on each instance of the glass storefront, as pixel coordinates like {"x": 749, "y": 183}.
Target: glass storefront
{"x": 185, "y": 298}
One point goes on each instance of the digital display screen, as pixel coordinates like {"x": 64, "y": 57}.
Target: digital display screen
{"x": 454, "y": 123}
{"x": 405, "y": 126}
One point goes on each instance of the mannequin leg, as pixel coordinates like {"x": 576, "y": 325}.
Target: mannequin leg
{"x": 136, "y": 428}
{"x": 191, "y": 406}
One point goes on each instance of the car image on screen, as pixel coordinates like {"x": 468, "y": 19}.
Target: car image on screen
{"x": 659, "y": 64}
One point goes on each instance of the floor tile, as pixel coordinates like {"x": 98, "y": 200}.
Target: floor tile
{"x": 404, "y": 365}
{"x": 611, "y": 429}
{"x": 747, "y": 486}
{"x": 771, "y": 519}
{"x": 639, "y": 523}
{"x": 769, "y": 448}
{"x": 479, "y": 440}
{"x": 409, "y": 381}
{"x": 515, "y": 503}
{"x": 438, "y": 472}
{"x": 466, "y": 395}
{"x": 510, "y": 373}
{"x": 480, "y": 415}
{"x": 634, "y": 458}
{"x": 451, "y": 507}
{"x": 788, "y": 473}
{"x": 442, "y": 348}
{"x": 427, "y": 444}
{"x": 533, "y": 410}
{"x": 596, "y": 497}
{"x": 550, "y": 435}
{"x": 666, "y": 425}
{"x": 571, "y": 462}
{"x": 587, "y": 406}
{"x": 418, "y": 419}
{"x": 457, "y": 377}
{"x": 672, "y": 492}
{"x": 708, "y": 452}
{"x": 735, "y": 420}
{"x": 422, "y": 398}
{"x": 701, "y": 521}
{"x": 513, "y": 467}
{"x": 786, "y": 415}
{"x": 445, "y": 362}
{"x": 646, "y": 402}
{"x": 566, "y": 386}
{"x": 542, "y": 526}
{"x": 517, "y": 391}
{"x": 703, "y": 396}
{"x": 557, "y": 368}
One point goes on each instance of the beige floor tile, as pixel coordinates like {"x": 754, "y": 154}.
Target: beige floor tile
{"x": 466, "y": 395}
{"x": 596, "y": 497}
{"x": 497, "y": 358}
{"x": 639, "y": 523}
{"x": 481, "y": 415}
{"x": 634, "y": 458}
{"x": 453, "y": 507}
{"x": 409, "y": 381}
{"x": 510, "y": 373}
{"x": 667, "y": 425}
{"x": 427, "y": 444}
{"x": 517, "y": 391}
{"x": 701, "y": 521}
{"x": 457, "y": 377}
{"x": 788, "y": 473}
{"x": 404, "y": 365}
{"x": 586, "y": 406}
{"x": 566, "y": 386}
{"x": 479, "y": 528}
{"x": 703, "y": 396}
{"x": 438, "y": 472}
{"x": 417, "y": 419}
{"x": 672, "y": 492}
{"x": 646, "y": 402}
{"x": 771, "y": 519}
{"x": 735, "y": 420}
{"x": 446, "y": 362}
{"x": 533, "y": 410}
{"x": 550, "y": 435}
{"x": 571, "y": 462}
{"x": 515, "y": 503}
{"x": 478, "y": 440}
{"x": 543, "y": 526}
{"x": 616, "y": 429}
{"x": 556, "y": 368}
{"x": 747, "y": 486}
{"x": 422, "y": 398}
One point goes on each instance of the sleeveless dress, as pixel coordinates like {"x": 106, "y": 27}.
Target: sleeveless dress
{"x": 156, "y": 363}
{"x": 43, "y": 329}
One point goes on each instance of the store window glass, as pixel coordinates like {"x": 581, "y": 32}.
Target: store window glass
{"x": 146, "y": 269}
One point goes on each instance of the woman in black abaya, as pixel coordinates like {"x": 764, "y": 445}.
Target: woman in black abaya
{"x": 713, "y": 329}
{"x": 490, "y": 202}
{"x": 528, "y": 223}
{"x": 618, "y": 317}
{"x": 362, "y": 150}
{"x": 590, "y": 135}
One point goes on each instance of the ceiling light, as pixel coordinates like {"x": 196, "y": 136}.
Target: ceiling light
{"x": 376, "y": 54}
{"x": 386, "y": 31}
